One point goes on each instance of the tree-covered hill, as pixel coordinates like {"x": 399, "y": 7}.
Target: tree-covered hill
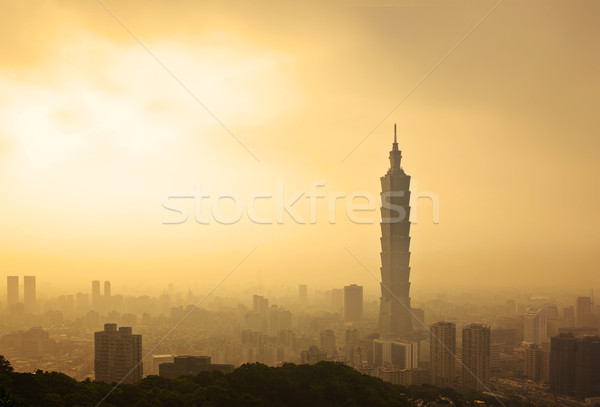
{"x": 323, "y": 384}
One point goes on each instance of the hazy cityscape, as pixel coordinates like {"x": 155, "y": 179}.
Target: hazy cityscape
{"x": 303, "y": 325}
{"x": 543, "y": 347}
{"x": 343, "y": 203}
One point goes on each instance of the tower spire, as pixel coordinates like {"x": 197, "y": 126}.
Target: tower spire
{"x": 395, "y": 154}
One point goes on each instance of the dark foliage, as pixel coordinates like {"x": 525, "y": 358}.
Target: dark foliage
{"x": 251, "y": 385}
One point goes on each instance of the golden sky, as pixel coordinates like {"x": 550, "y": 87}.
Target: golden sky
{"x": 95, "y": 133}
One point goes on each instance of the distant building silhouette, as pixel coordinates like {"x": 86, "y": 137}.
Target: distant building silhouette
{"x": 405, "y": 377}
{"x": 158, "y": 360}
{"x": 328, "y": 343}
{"x": 96, "y": 295}
{"x": 352, "y": 351}
{"x": 107, "y": 288}
{"x": 442, "y": 358}
{"x": 117, "y": 355}
{"x": 303, "y": 294}
{"x": 394, "y": 314}
{"x": 569, "y": 317}
{"x": 353, "y": 302}
{"x": 395, "y": 354}
{"x": 260, "y": 304}
{"x": 312, "y": 355}
{"x": 583, "y": 312}
{"x": 476, "y": 357}
{"x": 12, "y": 290}
{"x": 506, "y": 337}
{"x": 29, "y": 294}
{"x": 190, "y": 366}
{"x": 337, "y": 300}
{"x": 535, "y": 326}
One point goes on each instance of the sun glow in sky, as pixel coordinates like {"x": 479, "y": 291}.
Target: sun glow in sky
{"x": 95, "y": 134}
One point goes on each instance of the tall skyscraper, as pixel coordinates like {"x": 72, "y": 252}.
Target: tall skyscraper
{"x": 575, "y": 365}
{"x": 107, "y": 288}
{"x": 587, "y": 370}
{"x": 535, "y": 326}
{"x": 12, "y": 290}
{"x": 476, "y": 357}
{"x": 117, "y": 355}
{"x": 96, "y": 294}
{"x": 353, "y": 302}
{"x": 583, "y": 312}
{"x": 394, "y": 312}
{"x": 562, "y": 363}
{"x": 442, "y": 350}
{"x": 29, "y": 296}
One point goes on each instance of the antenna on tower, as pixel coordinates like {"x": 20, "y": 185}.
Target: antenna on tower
{"x": 395, "y": 140}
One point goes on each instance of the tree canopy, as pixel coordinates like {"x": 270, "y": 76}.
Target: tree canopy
{"x": 250, "y": 385}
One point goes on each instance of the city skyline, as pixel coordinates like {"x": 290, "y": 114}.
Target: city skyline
{"x": 199, "y": 207}
{"x": 104, "y": 163}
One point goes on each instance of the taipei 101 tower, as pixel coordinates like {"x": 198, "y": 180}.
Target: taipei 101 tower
{"x": 394, "y": 312}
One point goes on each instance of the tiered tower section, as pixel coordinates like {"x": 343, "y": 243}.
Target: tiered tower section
{"x": 394, "y": 313}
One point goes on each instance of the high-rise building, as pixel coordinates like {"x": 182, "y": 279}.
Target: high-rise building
{"x": 96, "y": 294}
{"x": 395, "y": 354}
{"x": 476, "y": 357}
{"x": 533, "y": 362}
{"x": 535, "y": 326}
{"x": 562, "y": 363}
{"x": 117, "y": 355}
{"x": 107, "y": 288}
{"x": 12, "y": 290}
{"x": 545, "y": 370}
{"x": 442, "y": 353}
{"x": 353, "y": 302}
{"x": 260, "y": 304}
{"x": 587, "y": 369}
{"x": 328, "y": 344}
{"x": 575, "y": 365}
{"x": 337, "y": 300}
{"x": 351, "y": 347}
{"x": 303, "y": 294}
{"x": 394, "y": 312}
{"x": 551, "y": 311}
{"x": 583, "y": 312}
{"x": 569, "y": 316}
{"x": 29, "y": 296}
